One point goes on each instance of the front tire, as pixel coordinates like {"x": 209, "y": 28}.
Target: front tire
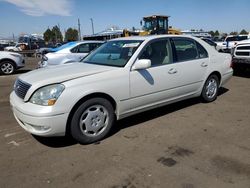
{"x": 92, "y": 120}
{"x": 7, "y": 67}
{"x": 210, "y": 89}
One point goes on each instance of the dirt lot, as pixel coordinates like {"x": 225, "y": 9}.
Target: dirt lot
{"x": 184, "y": 145}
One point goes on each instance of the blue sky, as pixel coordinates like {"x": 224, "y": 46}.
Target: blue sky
{"x": 35, "y": 16}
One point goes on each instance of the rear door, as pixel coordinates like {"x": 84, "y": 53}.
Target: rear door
{"x": 191, "y": 63}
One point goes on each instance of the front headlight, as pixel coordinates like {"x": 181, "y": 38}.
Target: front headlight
{"x": 42, "y": 64}
{"x": 48, "y": 95}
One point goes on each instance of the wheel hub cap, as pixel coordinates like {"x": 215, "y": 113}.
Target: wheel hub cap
{"x": 7, "y": 68}
{"x": 211, "y": 88}
{"x": 94, "y": 120}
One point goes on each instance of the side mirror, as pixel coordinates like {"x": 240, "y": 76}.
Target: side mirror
{"x": 141, "y": 64}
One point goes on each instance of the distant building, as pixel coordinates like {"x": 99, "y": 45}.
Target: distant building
{"x": 105, "y": 35}
{"x": 196, "y": 33}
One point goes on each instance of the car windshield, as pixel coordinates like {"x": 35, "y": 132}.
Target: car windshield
{"x": 114, "y": 53}
{"x": 65, "y": 46}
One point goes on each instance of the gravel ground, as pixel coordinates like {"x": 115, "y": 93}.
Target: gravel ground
{"x": 184, "y": 145}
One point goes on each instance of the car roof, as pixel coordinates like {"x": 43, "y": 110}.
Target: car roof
{"x": 73, "y": 44}
{"x": 151, "y": 37}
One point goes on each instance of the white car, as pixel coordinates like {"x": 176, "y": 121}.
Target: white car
{"x": 68, "y": 53}
{"x": 16, "y": 48}
{"x": 241, "y": 55}
{"x": 10, "y": 62}
{"x": 230, "y": 42}
{"x": 123, "y": 77}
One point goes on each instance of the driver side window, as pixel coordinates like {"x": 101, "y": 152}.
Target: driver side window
{"x": 159, "y": 52}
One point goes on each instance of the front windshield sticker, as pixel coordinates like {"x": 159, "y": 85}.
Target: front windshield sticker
{"x": 131, "y": 45}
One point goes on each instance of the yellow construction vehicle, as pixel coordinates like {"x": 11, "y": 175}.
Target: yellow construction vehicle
{"x": 154, "y": 25}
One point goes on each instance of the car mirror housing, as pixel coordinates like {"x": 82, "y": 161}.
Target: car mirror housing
{"x": 141, "y": 64}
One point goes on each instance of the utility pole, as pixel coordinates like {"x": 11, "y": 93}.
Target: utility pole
{"x": 79, "y": 30}
{"x": 92, "y": 23}
{"x": 13, "y": 37}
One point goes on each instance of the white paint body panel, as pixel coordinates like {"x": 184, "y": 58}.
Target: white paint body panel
{"x": 133, "y": 91}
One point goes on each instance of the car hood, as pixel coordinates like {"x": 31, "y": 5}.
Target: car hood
{"x": 58, "y": 74}
{"x": 244, "y": 42}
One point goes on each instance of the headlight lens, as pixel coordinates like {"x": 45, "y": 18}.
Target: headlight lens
{"x": 42, "y": 64}
{"x": 44, "y": 58}
{"x": 48, "y": 95}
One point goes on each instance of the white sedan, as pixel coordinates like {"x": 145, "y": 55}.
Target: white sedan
{"x": 10, "y": 62}
{"x": 124, "y": 76}
{"x": 68, "y": 53}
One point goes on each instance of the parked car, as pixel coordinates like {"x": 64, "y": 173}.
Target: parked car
{"x": 123, "y": 77}
{"x": 10, "y": 62}
{"x": 2, "y": 46}
{"x": 17, "y": 48}
{"x": 230, "y": 42}
{"x": 50, "y": 48}
{"x": 241, "y": 55}
{"x": 68, "y": 53}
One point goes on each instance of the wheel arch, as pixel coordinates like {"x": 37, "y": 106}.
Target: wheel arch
{"x": 85, "y": 98}
{"x": 216, "y": 73}
{"x": 8, "y": 59}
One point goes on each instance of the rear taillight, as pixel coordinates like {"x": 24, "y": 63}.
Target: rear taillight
{"x": 232, "y": 63}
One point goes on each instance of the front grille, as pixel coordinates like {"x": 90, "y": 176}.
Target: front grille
{"x": 243, "y": 48}
{"x": 21, "y": 88}
{"x": 242, "y": 53}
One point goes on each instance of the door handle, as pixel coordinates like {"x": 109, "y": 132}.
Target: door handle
{"x": 172, "y": 71}
{"x": 204, "y": 64}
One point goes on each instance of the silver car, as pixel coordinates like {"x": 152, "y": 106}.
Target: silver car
{"x": 68, "y": 53}
{"x": 10, "y": 62}
{"x": 122, "y": 77}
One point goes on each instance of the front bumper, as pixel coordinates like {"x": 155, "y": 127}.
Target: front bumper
{"x": 241, "y": 60}
{"x": 20, "y": 63}
{"x": 49, "y": 125}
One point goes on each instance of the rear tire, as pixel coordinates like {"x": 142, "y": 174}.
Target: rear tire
{"x": 7, "y": 67}
{"x": 210, "y": 89}
{"x": 92, "y": 120}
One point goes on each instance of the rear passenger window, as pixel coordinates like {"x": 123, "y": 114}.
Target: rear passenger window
{"x": 84, "y": 48}
{"x": 94, "y": 45}
{"x": 185, "y": 49}
{"x": 201, "y": 50}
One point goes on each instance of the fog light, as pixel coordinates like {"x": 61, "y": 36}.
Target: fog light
{"x": 41, "y": 128}
{"x": 38, "y": 128}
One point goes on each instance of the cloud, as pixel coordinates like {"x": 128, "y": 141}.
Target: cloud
{"x": 43, "y": 7}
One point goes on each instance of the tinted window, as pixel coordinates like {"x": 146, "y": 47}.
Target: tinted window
{"x": 94, "y": 45}
{"x": 74, "y": 50}
{"x": 231, "y": 39}
{"x": 158, "y": 52}
{"x": 84, "y": 48}
{"x": 185, "y": 49}
{"x": 201, "y": 50}
{"x": 242, "y": 38}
